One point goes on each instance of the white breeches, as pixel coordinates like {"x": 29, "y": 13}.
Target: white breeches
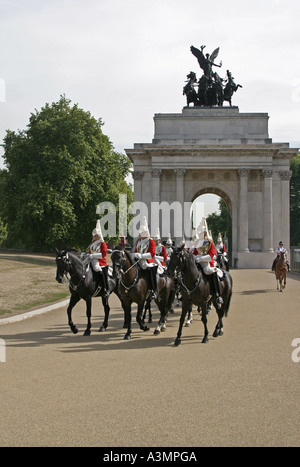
{"x": 95, "y": 265}
{"x": 207, "y": 269}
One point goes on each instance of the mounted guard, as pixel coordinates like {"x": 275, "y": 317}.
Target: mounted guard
{"x": 145, "y": 251}
{"x": 98, "y": 251}
{"x": 169, "y": 249}
{"x": 161, "y": 252}
{"x": 222, "y": 253}
{"x": 205, "y": 254}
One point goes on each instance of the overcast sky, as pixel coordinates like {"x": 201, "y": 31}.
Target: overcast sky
{"x": 125, "y": 60}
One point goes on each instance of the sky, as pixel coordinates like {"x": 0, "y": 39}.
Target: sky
{"x": 125, "y": 60}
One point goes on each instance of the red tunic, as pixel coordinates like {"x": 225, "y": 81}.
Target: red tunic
{"x": 163, "y": 254}
{"x": 103, "y": 251}
{"x": 212, "y": 252}
{"x": 151, "y": 249}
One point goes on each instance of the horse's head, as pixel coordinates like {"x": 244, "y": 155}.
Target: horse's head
{"x": 177, "y": 260}
{"x": 63, "y": 265}
{"x": 119, "y": 262}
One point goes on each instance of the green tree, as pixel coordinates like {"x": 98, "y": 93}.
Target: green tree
{"x": 295, "y": 200}
{"x": 57, "y": 172}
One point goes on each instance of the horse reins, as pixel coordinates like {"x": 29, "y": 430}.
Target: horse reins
{"x": 69, "y": 280}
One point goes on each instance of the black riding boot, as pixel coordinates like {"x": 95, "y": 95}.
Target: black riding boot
{"x": 152, "y": 272}
{"x": 105, "y": 280}
{"x": 217, "y": 288}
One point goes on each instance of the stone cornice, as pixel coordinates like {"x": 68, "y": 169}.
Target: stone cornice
{"x": 272, "y": 151}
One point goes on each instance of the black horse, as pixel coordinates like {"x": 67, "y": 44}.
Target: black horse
{"x": 197, "y": 290}
{"x": 222, "y": 262}
{"x": 82, "y": 285}
{"x": 135, "y": 287}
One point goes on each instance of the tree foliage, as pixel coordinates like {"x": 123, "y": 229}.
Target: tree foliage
{"x": 295, "y": 200}
{"x": 57, "y": 172}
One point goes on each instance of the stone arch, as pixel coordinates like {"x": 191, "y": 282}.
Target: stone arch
{"x": 185, "y": 159}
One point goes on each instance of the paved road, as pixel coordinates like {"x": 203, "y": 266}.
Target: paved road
{"x": 242, "y": 389}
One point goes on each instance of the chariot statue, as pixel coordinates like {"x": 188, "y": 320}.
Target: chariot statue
{"x": 212, "y": 89}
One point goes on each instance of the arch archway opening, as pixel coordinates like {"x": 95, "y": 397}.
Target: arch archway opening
{"x": 216, "y": 208}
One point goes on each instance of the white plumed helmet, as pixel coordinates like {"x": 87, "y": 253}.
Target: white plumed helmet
{"x": 144, "y": 227}
{"x": 157, "y": 236}
{"x": 97, "y": 230}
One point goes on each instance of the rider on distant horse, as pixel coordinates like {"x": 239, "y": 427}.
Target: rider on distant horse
{"x": 99, "y": 249}
{"x": 160, "y": 249}
{"x": 280, "y": 249}
{"x": 221, "y": 249}
{"x": 169, "y": 248}
{"x": 205, "y": 255}
{"x": 145, "y": 251}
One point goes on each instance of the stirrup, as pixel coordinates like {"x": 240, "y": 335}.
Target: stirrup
{"x": 220, "y": 301}
{"x": 153, "y": 295}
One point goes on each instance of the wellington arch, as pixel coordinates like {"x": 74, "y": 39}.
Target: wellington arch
{"x": 220, "y": 150}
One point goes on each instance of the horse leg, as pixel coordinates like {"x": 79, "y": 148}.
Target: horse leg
{"x": 87, "y": 332}
{"x": 204, "y": 321}
{"x": 106, "y": 314}
{"x": 184, "y": 311}
{"x": 73, "y": 300}
{"x": 219, "y": 327}
{"x": 189, "y": 318}
{"x": 127, "y": 312}
{"x": 139, "y": 318}
{"x": 161, "y": 325}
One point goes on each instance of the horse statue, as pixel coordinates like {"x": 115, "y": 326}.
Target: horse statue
{"x": 230, "y": 88}
{"x": 196, "y": 290}
{"x": 189, "y": 90}
{"x": 281, "y": 270}
{"x": 82, "y": 285}
{"x": 135, "y": 287}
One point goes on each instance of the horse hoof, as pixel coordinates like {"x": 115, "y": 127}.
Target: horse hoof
{"x": 127, "y": 337}
{"x": 102, "y": 329}
{"x": 87, "y": 332}
{"x": 163, "y": 328}
{"x": 205, "y": 340}
{"x": 145, "y": 328}
{"x": 221, "y": 333}
{"x": 149, "y": 320}
{"x": 177, "y": 342}
{"x": 74, "y": 329}
{"x": 280, "y": 290}
{"x": 156, "y": 332}
{"x": 216, "y": 333}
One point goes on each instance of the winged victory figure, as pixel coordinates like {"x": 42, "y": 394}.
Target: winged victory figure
{"x": 206, "y": 62}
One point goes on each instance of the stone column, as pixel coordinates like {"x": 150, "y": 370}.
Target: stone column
{"x": 137, "y": 177}
{"x": 156, "y": 176}
{"x": 285, "y": 176}
{"x": 243, "y": 211}
{"x": 268, "y": 210}
{"x": 180, "y": 174}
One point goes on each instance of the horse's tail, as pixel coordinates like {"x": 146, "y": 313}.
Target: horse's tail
{"x": 230, "y": 285}
{"x": 228, "y": 305}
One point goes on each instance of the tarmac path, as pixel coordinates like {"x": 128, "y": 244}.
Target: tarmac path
{"x": 242, "y": 389}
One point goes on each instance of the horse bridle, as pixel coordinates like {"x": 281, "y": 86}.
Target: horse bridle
{"x": 187, "y": 290}
{"x": 125, "y": 272}
{"x": 65, "y": 259}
